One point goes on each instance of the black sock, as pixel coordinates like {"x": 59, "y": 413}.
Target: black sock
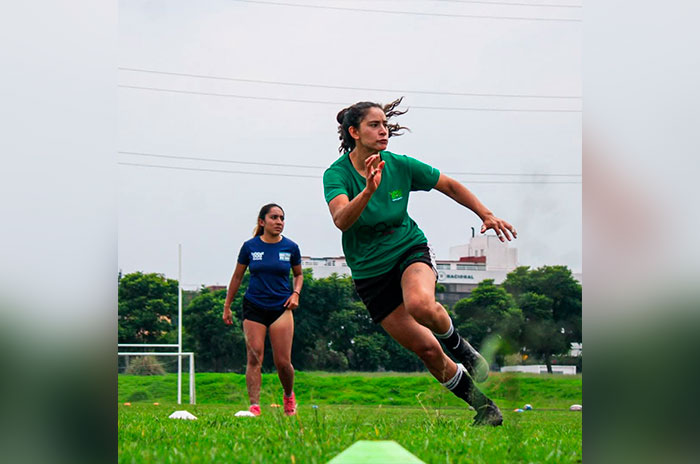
{"x": 463, "y": 387}
{"x": 450, "y": 338}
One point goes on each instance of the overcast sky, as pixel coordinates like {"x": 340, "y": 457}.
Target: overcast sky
{"x": 438, "y": 60}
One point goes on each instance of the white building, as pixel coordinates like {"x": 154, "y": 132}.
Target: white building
{"x": 541, "y": 369}
{"x": 499, "y": 256}
{"x": 484, "y": 257}
{"x": 324, "y": 267}
{"x": 576, "y": 349}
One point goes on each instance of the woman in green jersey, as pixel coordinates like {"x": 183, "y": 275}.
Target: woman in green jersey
{"x": 393, "y": 269}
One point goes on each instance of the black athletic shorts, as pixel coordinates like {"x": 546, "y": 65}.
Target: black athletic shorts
{"x": 256, "y": 313}
{"x": 382, "y": 294}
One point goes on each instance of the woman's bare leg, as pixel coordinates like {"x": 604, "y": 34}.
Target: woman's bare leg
{"x": 255, "y": 349}
{"x": 281, "y": 335}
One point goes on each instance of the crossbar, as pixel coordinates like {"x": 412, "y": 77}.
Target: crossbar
{"x": 147, "y": 345}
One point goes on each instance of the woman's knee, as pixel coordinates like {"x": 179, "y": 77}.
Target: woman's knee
{"x": 428, "y": 351}
{"x": 283, "y": 363}
{"x": 255, "y": 357}
{"x": 421, "y": 306}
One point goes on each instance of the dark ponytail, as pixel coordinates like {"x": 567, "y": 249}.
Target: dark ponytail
{"x": 259, "y": 230}
{"x": 353, "y": 115}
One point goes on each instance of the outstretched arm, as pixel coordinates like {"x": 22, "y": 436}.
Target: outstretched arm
{"x": 464, "y": 197}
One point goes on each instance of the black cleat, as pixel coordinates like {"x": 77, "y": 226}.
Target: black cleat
{"x": 476, "y": 365}
{"x": 488, "y": 414}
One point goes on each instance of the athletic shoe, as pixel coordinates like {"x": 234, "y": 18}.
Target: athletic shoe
{"x": 255, "y": 409}
{"x": 476, "y": 365}
{"x": 488, "y": 414}
{"x": 290, "y": 405}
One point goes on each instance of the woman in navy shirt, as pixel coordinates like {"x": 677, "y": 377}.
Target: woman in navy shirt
{"x": 268, "y": 303}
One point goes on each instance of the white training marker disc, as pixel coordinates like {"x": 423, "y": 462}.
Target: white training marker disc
{"x": 244, "y": 414}
{"x": 182, "y": 415}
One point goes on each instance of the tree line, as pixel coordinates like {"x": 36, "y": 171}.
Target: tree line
{"x": 534, "y": 312}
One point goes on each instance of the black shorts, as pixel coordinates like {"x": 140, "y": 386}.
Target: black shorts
{"x": 256, "y": 313}
{"x": 382, "y": 294}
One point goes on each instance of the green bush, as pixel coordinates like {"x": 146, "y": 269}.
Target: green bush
{"x": 322, "y": 357}
{"x": 145, "y": 365}
{"x": 138, "y": 395}
{"x": 513, "y": 359}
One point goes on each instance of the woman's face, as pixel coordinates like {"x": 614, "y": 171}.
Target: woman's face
{"x": 274, "y": 221}
{"x": 373, "y": 133}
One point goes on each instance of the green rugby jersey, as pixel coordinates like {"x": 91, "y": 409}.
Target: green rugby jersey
{"x": 384, "y": 230}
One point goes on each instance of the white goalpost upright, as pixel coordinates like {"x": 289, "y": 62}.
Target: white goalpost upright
{"x": 179, "y": 323}
{"x": 179, "y": 353}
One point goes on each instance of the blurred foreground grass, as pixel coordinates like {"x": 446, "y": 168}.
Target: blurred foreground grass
{"x": 411, "y": 409}
{"x": 146, "y": 435}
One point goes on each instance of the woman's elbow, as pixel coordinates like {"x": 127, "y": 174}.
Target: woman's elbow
{"x": 340, "y": 225}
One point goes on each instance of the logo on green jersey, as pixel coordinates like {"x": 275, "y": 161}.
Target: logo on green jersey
{"x": 396, "y": 195}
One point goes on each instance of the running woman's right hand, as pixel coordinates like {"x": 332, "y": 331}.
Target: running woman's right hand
{"x": 374, "y": 175}
{"x": 228, "y": 316}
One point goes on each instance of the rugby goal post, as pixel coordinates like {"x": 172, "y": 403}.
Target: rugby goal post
{"x": 179, "y": 353}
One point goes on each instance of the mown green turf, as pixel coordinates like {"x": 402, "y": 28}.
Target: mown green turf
{"x": 397, "y": 389}
{"x": 411, "y": 409}
{"x": 146, "y": 435}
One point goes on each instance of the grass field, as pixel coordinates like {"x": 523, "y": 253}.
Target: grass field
{"x": 408, "y": 408}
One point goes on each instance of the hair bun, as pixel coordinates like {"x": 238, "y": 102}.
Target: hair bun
{"x": 341, "y": 115}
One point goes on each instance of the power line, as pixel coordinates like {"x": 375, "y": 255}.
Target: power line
{"x": 340, "y": 87}
{"x": 216, "y": 170}
{"x": 515, "y": 182}
{"x": 283, "y": 165}
{"x": 180, "y": 168}
{"x": 544, "y": 5}
{"x": 218, "y": 160}
{"x": 515, "y": 110}
{"x": 548, "y": 5}
{"x": 411, "y": 13}
{"x": 212, "y": 94}
{"x": 509, "y": 174}
{"x": 322, "y": 102}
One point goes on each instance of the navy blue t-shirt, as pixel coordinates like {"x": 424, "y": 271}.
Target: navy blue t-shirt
{"x": 269, "y": 265}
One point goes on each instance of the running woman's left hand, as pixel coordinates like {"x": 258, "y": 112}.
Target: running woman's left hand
{"x": 502, "y": 228}
{"x": 292, "y": 302}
